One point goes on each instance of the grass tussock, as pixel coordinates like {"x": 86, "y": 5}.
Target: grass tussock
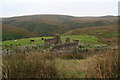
{"x": 69, "y": 56}
{"x": 104, "y": 64}
{"x": 37, "y": 65}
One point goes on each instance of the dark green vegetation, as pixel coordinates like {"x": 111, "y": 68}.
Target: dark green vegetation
{"x": 47, "y": 25}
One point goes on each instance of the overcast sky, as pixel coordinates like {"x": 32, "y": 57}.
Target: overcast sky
{"x": 9, "y": 8}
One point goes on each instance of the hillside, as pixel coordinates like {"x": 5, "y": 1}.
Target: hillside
{"x": 87, "y": 48}
{"x": 47, "y": 25}
{"x": 99, "y": 31}
{"x": 11, "y": 32}
{"x": 106, "y": 34}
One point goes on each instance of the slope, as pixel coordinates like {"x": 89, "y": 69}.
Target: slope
{"x": 11, "y": 32}
{"x": 107, "y": 34}
{"x": 47, "y": 25}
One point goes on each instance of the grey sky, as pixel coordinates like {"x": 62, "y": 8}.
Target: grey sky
{"x": 11, "y": 8}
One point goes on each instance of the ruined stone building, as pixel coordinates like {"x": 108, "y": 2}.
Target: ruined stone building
{"x": 62, "y": 47}
{"x": 49, "y": 41}
{"x": 55, "y": 40}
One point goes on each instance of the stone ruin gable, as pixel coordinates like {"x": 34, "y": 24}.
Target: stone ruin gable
{"x": 49, "y": 41}
{"x": 55, "y": 40}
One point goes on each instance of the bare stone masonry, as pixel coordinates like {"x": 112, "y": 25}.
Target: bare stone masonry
{"x": 55, "y": 40}
{"x": 62, "y": 47}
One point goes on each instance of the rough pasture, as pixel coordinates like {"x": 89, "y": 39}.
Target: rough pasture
{"x": 103, "y": 65}
{"x": 107, "y": 34}
{"x": 87, "y": 39}
{"x": 38, "y": 40}
{"x": 26, "y": 41}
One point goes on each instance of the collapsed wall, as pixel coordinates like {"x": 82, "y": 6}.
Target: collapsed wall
{"x": 65, "y": 47}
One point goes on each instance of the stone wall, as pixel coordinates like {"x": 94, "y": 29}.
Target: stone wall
{"x": 49, "y": 41}
{"x": 55, "y": 40}
{"x": 64, "y": 47}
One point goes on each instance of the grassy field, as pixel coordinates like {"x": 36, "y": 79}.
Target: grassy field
{"x": 87, "y": 39}
{"x": 108, "y": 33}
{"x": 82, "y": 39}
{"x": 25, "y": 41}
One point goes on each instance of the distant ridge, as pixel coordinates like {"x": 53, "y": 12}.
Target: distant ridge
{"x": 48, "y": 25}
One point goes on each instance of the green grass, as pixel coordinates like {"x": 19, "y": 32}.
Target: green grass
{"x": 115, "y": 34}
{"x": 0, "y": 43}
{"x": 25, "y": 41}
{"x": 87, "y": 39}
{"x": 82, "y": 39}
